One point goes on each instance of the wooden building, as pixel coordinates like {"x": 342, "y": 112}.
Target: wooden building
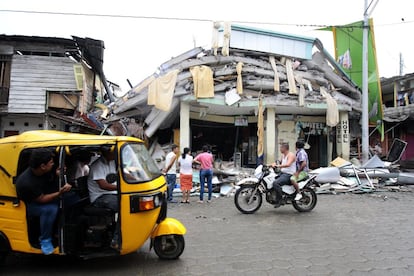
{"x": 50, "y": 83}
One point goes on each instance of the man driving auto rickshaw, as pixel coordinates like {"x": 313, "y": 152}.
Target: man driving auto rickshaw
{"x": 83, "y": 229}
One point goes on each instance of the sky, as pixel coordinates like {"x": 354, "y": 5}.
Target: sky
{"x": 140, "y": 35}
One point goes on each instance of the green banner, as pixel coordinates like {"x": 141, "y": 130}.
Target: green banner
{"x": 348, "y": 53}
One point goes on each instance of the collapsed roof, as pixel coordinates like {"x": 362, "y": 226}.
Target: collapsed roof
{"x": 293, "y": 82}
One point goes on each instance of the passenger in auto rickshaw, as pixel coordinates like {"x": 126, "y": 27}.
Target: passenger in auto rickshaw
{"x": 78, "y": 166}
{"x": 102, "y": 193}
{"x": 32, "y": 187}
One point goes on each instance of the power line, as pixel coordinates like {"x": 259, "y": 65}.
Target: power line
{"x": 160, "y": 18}
{"x": 126, "y": 16}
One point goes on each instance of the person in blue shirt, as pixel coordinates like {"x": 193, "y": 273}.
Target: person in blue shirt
{"x": 302, "y": 167}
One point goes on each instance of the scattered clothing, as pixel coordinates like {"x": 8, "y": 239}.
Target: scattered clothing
{"x": 161, "y": 91}
{"x": 225, "y": 50}
{"x": 203, "y": 81}
{"x": 276, "y": 83}
{"x": 291, "y": 77}
{"x": 239, "y": 85}
{"x": 332, "y": 112}
{"x": 345, "y": 60}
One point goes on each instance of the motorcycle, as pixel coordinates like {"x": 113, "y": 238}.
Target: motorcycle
{"x": 248, "y": 197}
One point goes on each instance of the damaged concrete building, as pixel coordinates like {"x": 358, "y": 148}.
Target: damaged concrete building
{"x": 211, "y": 96}
{"x": 51, "y": 83}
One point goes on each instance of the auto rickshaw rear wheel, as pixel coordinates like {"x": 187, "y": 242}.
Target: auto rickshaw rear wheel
{"x": 169, "y": 247}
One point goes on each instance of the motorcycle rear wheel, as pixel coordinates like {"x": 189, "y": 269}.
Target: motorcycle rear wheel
{"x": 308, "y": 201}
{"x": 247, "y": 202}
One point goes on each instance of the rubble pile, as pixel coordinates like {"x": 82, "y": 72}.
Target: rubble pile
{"x": 237, "y": 78}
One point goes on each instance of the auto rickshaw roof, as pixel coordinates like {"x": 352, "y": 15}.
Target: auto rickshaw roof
{"x": 55, "y": 138}
{"x": 12, "y": 146}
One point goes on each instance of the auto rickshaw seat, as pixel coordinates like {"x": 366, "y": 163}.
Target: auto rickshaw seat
{"x": 82, "y": 186}
{"x": 88, "y": 209}
{"x": 91, "y": 210}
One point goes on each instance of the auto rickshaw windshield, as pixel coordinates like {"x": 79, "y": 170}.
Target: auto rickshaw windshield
{"x": 138, "y": 166}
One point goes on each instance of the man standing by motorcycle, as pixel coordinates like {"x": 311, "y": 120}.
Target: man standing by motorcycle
{"x": 287, "y": 168}
{"x": 302, "y": 167}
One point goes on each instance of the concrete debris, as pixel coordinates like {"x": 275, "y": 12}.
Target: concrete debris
{"x": 343, "y": 176}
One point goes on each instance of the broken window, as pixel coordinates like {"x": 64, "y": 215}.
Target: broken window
{"x": 5, "y": 66}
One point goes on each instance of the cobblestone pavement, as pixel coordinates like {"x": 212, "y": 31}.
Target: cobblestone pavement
{"x": 346, "y": 234}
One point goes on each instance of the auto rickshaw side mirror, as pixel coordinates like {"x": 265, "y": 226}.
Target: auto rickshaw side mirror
{"x": 111, "y": 178}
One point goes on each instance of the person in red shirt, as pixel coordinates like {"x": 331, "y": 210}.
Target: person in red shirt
{"x": 205, "y": 159}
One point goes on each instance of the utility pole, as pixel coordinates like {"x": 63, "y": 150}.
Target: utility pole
{"x": 365, "y": 119}
{"x": 365, "y": 102}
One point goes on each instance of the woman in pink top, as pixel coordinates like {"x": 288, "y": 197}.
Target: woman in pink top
{"x": 205, "y": 159}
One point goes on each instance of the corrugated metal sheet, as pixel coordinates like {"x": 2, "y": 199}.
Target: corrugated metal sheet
{"x": 271, "y": 42}
{"x": 31, "y": 76}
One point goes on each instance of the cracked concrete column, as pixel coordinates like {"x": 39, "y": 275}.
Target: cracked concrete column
{"x": 185, "y": 125}
{"x": 270, "y": 135}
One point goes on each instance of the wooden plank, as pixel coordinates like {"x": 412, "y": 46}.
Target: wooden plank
{"x": 41, "y": 47}
{"x": 42, "y": 61}
{"x": 61, "y": 100}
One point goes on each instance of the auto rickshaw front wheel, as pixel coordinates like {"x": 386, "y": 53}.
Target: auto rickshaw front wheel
{"x": 169, "y": 247}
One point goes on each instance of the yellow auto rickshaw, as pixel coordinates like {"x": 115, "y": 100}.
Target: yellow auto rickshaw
{"x": 81, "y": 229}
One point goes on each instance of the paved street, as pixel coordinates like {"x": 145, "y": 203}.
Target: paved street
{"x": 347, "y": 234}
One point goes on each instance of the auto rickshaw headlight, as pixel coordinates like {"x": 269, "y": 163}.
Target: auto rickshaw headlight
{"x": 140, "y": 203}
{"x": 146, "y": 203}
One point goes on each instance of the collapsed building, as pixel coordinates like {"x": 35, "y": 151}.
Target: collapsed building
{"x": 52, "y": 83}
{"x": 212, "y": 96}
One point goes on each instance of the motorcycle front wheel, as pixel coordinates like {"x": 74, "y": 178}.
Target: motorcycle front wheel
{"x": 307, "y": 202}
{"x": 247, "y": 200}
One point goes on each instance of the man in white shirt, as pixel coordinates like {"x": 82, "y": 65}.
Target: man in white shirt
{"x": 101, "y": 193}
{"x": 170, "y": 170}
{"x": 287, "y": 168}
